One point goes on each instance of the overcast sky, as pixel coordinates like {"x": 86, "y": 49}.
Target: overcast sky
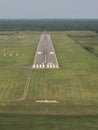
{"x": 38, "y": 9}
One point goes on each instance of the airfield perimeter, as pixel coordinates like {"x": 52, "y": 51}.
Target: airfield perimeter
{"x": 29, "y": 72}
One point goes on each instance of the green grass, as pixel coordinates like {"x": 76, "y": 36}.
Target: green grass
{"x": 16, "y": 122}
{"x": 86, "y": 39}
{"x": 21, "y": 47}
{"x": 68, "y": 87}
{"x": 4, "y": 34}
{"x": 74, "y": 85}
{"x": 2, "y": 37}
{"x": 12, "y": 83}
{"x": 28, "y": 38}
{"x": 81, "y": 33}
{"x": 72, "y": 55}
{"x": 75, "y": 82}
{"x": 16, "y": 56}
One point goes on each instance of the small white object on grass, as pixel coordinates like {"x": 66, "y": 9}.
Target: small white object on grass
{"x": 4, "y": 54}
{"x": 10, "y": 54}
{"x": 17, "y": 54}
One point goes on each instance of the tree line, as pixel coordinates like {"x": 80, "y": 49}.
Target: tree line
{"x": 49, "y": 25}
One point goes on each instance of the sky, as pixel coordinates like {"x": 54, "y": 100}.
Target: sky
{"x": 43, "y": 9}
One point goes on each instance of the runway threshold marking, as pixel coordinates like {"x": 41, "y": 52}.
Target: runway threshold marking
{"x": 43, "y": 66}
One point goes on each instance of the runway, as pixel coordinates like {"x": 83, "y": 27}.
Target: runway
{"x": 45, "y": 55}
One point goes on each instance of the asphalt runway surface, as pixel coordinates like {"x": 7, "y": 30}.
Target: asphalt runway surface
{"x": 45, "y": 55}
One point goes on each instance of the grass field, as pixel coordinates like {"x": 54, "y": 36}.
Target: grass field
{"x": 76, "y": 80}
{"x": 10, "y": 122}
{"x": 12, "y": 84}
{"x": 74, "y": 84}
{"x": 87, "y": 39}
{"x": 2, "y": 37}
{"x": 65, "y": 86}
{"x": 20, "y": 50}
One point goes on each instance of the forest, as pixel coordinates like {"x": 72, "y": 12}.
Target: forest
{"x": 48, "y": 24}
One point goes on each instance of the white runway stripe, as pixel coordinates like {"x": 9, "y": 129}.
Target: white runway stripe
{"x": 50, "y": 66}
{"x": 53, "y": 66}
{"x": 37, "y": 66}
{"x": 47, "y": 66}
{"x": 43, "y": 66}
{"x": 40, "y": 66}
{"x": 33, "y": 66}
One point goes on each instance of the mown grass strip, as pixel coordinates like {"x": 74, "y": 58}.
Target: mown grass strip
{"x": 12, "y": 84}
